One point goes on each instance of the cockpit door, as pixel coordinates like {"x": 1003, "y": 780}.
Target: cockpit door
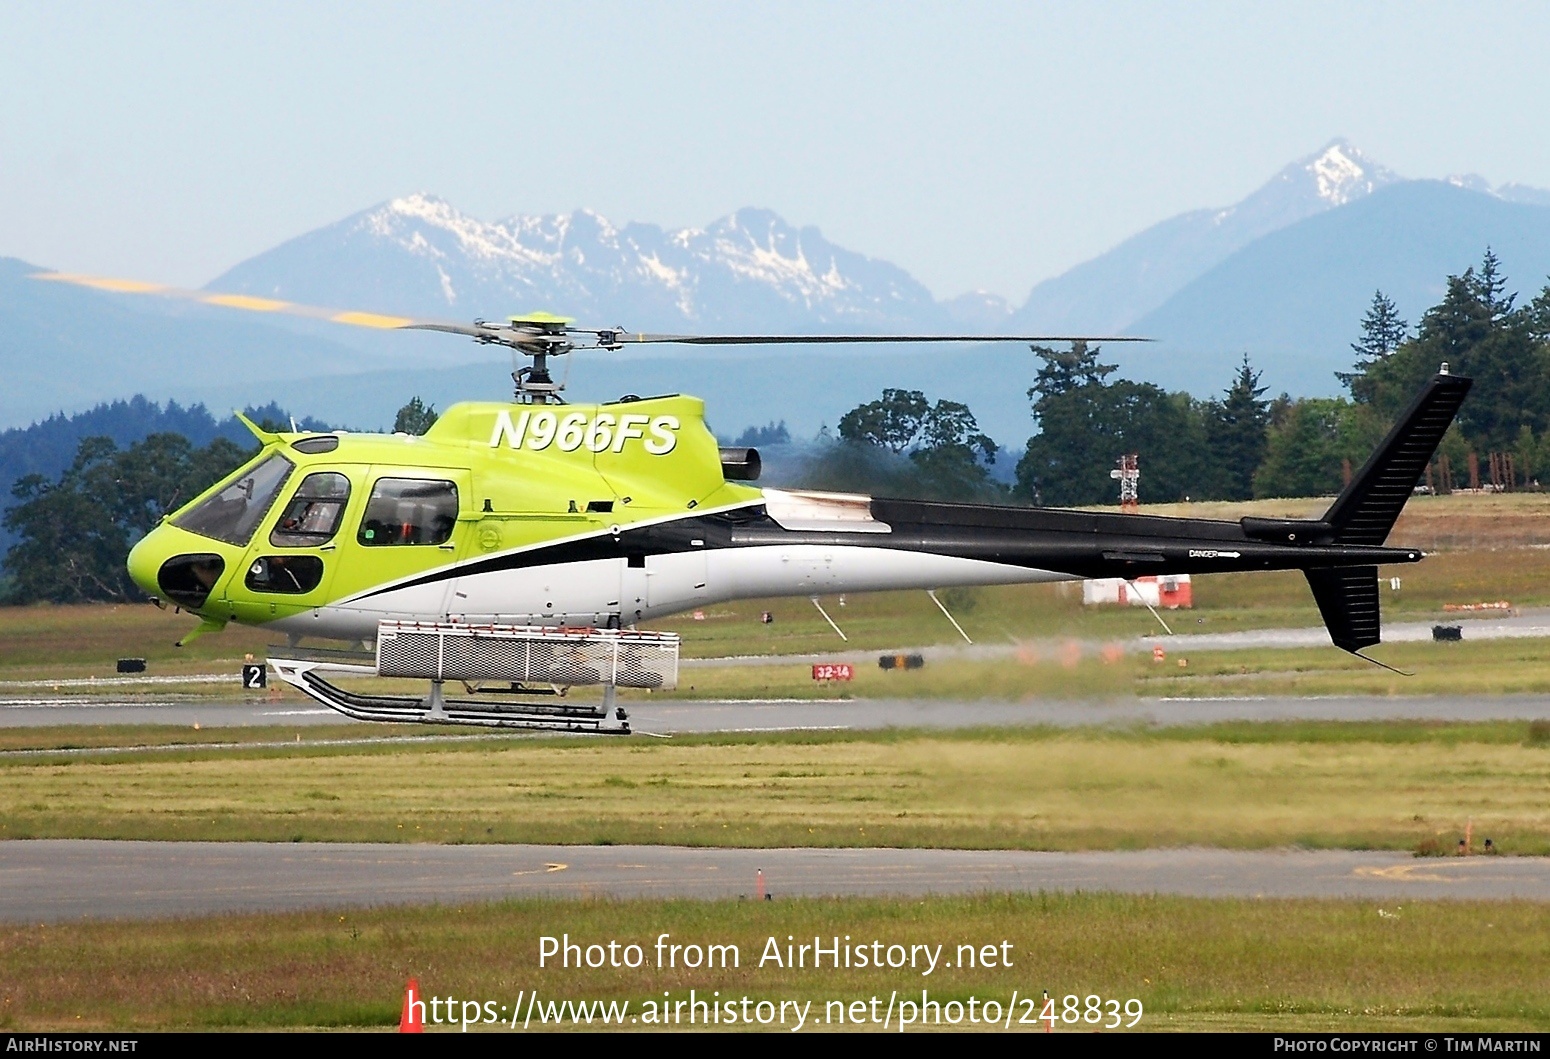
{"x": 291, "y": 561}
{"x": 401, "y": 549}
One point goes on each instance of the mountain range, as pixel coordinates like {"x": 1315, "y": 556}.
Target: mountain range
{"x": 1284, "y": 275}
{"x": 749, "y": 270}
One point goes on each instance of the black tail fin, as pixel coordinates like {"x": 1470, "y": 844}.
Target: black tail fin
{"x": 1348, "y": 602}
{"x": 1368, "y": 508}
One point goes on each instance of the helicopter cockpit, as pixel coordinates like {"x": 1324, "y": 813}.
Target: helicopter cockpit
{"x": 232, "y": 514}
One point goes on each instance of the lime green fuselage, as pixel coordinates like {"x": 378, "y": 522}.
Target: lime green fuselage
{"x": 522, "y": 475}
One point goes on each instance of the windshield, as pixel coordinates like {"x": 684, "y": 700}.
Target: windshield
{"x": 232, "y": 514}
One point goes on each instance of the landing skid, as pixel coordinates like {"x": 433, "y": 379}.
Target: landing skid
{"x": 523, "y": 657}
{"x": 436, "y": 708}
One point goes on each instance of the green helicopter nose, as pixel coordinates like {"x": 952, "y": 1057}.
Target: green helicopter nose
{"x": 163, "y": 565}
{"x": 145, "y": 558}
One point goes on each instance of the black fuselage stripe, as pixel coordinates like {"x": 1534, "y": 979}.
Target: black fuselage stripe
{"x": 1079, "y": 544}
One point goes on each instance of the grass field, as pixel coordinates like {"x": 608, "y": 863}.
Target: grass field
{"x": 1461, "y": 522}
{"x": 1379, "y": 785}
{"x": 1192, "y": 963}
{"x": 86, "y": 737}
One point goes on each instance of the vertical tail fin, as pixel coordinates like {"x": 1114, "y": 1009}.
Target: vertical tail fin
{"x": 1367, "y": 509}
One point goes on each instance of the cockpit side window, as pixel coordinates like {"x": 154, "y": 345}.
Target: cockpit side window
{"x": 409, "y": 511}
{"x": 314, "y": 513}
{"x": 233, "y": 513}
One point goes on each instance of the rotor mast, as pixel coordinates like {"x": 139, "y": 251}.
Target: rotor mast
{"x": 536, "y": 335}
{"x": 539, "y": 336}
{"x": 542, "y": 335}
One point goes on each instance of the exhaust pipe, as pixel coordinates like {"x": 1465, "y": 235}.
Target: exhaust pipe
{"x": 740, "y": 465}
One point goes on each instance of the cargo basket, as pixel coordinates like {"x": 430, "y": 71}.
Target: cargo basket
{"x": 527, "y": 654}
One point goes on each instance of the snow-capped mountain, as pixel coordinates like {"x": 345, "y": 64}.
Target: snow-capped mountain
{"x": 1283, "y": 275}
{"x": 753, "y": 271}
{"x": 1509, "y": 192}
{"x": 1294, "y": 299}
{"x": 1116, "y": 288}
{"x": 749, "y": 270}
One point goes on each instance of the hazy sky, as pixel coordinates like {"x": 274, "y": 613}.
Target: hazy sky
{"x": 977, "y": 145}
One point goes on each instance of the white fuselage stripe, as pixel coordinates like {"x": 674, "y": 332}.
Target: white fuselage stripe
{"x": 591, "y": 592}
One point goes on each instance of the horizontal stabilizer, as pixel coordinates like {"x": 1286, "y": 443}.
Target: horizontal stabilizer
{"x": 1348, "y": 602}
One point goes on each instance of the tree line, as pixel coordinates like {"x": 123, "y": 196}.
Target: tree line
{"x": 48, "y": 446}
{"x": 1242, "y": 444}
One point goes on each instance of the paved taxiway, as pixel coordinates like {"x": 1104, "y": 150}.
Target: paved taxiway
{"x": 668, "y": 717}
{"x": 58, "y": 880}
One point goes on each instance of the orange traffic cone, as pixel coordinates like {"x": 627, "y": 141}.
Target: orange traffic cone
{"x": 413, "y": 1018}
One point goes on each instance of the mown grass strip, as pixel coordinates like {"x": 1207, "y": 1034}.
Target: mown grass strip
{"x": 1193, "y": 963}
{"x": 1401, "y": 786}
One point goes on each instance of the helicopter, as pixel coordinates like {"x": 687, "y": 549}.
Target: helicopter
{"x": 517, "y": 546}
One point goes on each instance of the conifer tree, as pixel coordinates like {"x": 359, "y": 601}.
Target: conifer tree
{"x": 1066, "y": 370}
{"x": 1086, "y": 423}
{"x": 416, "y": 417}
{"x": 1491, "y": 287}
{"x": 1236, "y": 429}
{"x": 1382, "y": 332}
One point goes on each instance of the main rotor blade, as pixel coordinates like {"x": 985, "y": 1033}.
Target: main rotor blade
{"x": 813, "y": 340}
{"x": 379, "y": 321}
{"x": 471, "y": 330}
{"x": 608, "y": 338}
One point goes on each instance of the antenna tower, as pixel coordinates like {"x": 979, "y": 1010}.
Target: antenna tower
{"x": 1128, "y": 473}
